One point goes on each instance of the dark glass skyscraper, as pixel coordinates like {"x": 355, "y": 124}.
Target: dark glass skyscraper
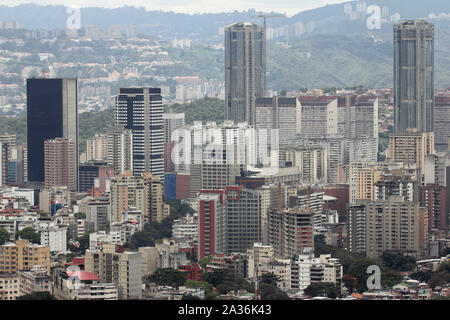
{"x": 413, "y": 76}
{"x": 52, "y": 112}
{"x": 245, "y": 70}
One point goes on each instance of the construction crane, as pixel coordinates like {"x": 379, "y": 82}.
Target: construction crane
{"x": 265, "y": 16}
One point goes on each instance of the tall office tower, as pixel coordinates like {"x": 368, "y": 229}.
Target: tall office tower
{"x": 52, "y": 112}
{"x": 211, "y": 222}
{"x": 120, "y": 149}
{"x": 290, "y": 231}
{"x": 318, "y": 116}
{"x": 97, "y": 147}
{"x": 60, "y": 165}
{"x": 396, "y": 225}
{"x": 3, "y": 164}
{"x": 116, "y": 266}
{"x": 243, "y": 220}
{"x": 434, "y": 198}
{"x": 278, "y": 113}
{"x": 141, "y": 110}
{"x": 411, "y": 148}
{"x": 413, "y": 76}
{"x": 245, "y": 70}
{"x": 442, "y": 123}
{"x": 172, "y": 122}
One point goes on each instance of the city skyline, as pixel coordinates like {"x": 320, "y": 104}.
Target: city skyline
{"x": 168, "y": 188}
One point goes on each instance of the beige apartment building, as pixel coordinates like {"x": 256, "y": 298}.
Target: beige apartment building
{"x": 24, "y": 256}
{"x": 120, "y": 267}
{"x": 411, "y": 148}
{"x": 396, "y": 225}
{"x": 142, "y": 193}
{"x": 9, "y": 286}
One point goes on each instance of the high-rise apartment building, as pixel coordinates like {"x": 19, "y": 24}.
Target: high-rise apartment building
{"x": 172, "y": 122}
{"x": 10, "y": 140}
{"x": 318, "y": 116}
{"x": 311, "y": 161}
{"x": 117, "y": 266}
{"x": 143, "y": 193}
{"x": 98, "y": 212}
{"x": 23, "y": 255}
{"x": 93, "y": 175}
{"x": 211, "y": 222}
{"x": 442, "y": 122}
{"x": 413, "y": 76}
{"x": 120, "y": 149}
{"x": 245, "y": 70}
{"x": 3, "y": 164}
{"x": 243, "y": 219}
{"x": 141, "y": 110}
{"x": 97, "y": 147}
{"x": 358, "y": 117}
{"x": 278, "y": 113}
{"x": 356, "y": 228}
{"x": 396, "y": 185}
{"x": 396, "y": 225}
{"x": 290, "y": 231}
{"x": 434, "y": 198}
{"x": 411, "y": 148}
{"x": 52, "y": 112}
{"x": 60, "y": 166}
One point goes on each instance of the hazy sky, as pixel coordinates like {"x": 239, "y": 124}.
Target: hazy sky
{"x": 289, "y": 7}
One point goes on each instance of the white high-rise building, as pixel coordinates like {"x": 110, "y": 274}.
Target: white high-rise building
{"x": 120, "y": 150}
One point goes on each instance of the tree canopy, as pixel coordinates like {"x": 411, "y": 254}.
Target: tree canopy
{"x": 29, "y": 234}
{"x": 167, "y": 277}
{"x": 39, "y": 295}
{"x": 4, "y": 236}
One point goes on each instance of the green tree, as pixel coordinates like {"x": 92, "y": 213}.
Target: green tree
{"x": 141, "y": 239}
{"x": 39, "y": 295}
{"x": 4, "y": 236}
{"x": 217, "y": 277}
{"x": 269, "y": 292}
{"x": 422, "y": 276}
{"x": 203, "y": 262}
{"x": 167, "y": 277}
{"x": 322, "y": 289}
{"x": 29, "y": 234}
{"x": 269, "y": 278}
{"x": 390, "y": 278}
{"x": 398, "y": 261}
